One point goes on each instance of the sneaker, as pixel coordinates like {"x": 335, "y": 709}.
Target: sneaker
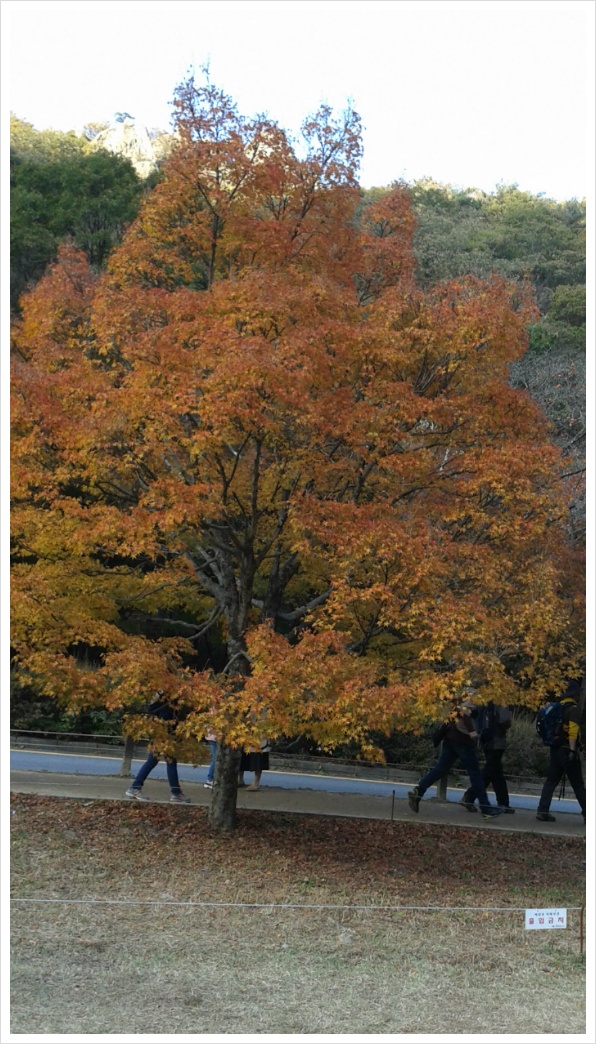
{"x": 492, "y": 811}
{"x": 508, "y": 810}
{"x": 414, "y": 799}
{"x": 208, "y": 785}
{"x": 468, "y": 805}
{"x": 545, "y": 817}
{"x": 179, "y": 799}
{"x": 136, "y": 794}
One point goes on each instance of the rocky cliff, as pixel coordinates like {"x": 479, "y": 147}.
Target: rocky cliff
{"x": 132, "y": 141}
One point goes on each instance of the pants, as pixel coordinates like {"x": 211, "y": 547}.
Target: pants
{"x": 149, "y": 765}
{"x": 211, "y": 769}
{"x": 448, "y": 756}
{"x": 492, "y": 773}
{"x": 559, "y": 766}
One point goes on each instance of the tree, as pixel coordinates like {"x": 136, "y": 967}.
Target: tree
{"x": 507, "y": 232}
{"x": 30, "y": 145}
{"x": 522, "y": 237}
{"x": 58, "y": 190}
{"x": 556, "y": 380}
{"x": 568, "y": 305}
{"x": 255, "y": 422}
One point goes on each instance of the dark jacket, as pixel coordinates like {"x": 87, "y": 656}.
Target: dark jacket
{"x": 460, "y": 731}
{"x": 493, "y": 723}
{"x": 160, "y": 708}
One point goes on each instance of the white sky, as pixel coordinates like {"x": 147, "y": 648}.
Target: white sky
{"x": 469, "y": 93}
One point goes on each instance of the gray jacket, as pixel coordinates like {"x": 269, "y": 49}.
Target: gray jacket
{"x": 493, "y": 723}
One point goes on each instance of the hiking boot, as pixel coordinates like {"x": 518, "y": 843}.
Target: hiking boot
{"x": 414, "y": 799}
{"x": 136, "y": 794}
{"x": 492, "y": 811}
{"x": 468, "y": 805}
{"x": 179, "y": 799}
{"x": 546, "y": 817}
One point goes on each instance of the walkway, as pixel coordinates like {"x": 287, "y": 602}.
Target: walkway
{"x": 93, "y": 777}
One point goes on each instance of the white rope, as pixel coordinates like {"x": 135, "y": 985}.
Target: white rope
{"x": 281, "y": 906}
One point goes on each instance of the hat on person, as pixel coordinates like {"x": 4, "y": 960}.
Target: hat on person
{"x": 574, "y": 688}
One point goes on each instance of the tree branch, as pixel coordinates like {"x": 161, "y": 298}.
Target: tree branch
{"x": 297, "y": 614}
{"x": 236, "y": 656}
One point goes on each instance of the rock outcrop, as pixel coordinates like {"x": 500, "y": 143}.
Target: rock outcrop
{"x": 132, "y": 141}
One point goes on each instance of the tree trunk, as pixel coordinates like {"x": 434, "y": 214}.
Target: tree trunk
{"x": 222, "y": 812}
{"x": 129, "y": 749}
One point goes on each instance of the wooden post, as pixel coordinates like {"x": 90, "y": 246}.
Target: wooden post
{"x": 129, "y": 749}
{"x": 442, "y": 784}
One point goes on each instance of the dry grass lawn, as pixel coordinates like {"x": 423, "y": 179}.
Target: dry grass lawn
{"x": 204, "y": 970}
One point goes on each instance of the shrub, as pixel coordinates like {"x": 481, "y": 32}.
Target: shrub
{"x": 525, "y": 755}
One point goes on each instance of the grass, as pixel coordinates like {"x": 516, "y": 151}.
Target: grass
{"x": 205, "y": 970}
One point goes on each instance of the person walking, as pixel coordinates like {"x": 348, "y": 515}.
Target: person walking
{"x": 564, "y": 755}
{"x": 492, "y": 724}
{"x": 459, "y": 743}
{"x": 161, "y": 709}
{"x": 212, "y": 741}
{"x": 256, "y": 761}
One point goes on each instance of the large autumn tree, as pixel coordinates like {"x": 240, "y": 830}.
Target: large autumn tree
{"x": 254, "y": 422}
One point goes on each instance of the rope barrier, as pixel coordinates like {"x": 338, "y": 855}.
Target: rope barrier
{"x": 281, "y": 906}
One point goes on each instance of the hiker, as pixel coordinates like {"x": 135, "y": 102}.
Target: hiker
{"x": 256, "y": 761}
{"x": 212, "y": 741}
{"x": 492, "y": 724}
{"x": 161, "y": 709}
{"x": 564, "y": 755}
{"x": 459, "y": 742}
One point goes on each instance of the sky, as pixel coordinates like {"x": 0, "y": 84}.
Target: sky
{"x": 468, "y": 93}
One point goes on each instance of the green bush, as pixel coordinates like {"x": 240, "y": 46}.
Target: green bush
{"x": 32, "y": 711}
{"x": 553, "y": 335}
{"x": 525, "y": 754}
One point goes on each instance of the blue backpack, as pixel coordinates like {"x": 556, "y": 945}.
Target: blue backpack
{"x": 549, "y": 723}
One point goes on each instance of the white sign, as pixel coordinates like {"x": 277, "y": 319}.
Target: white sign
{"x": 546, "y": 918}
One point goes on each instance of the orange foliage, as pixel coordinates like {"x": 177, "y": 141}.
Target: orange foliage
{"x": 255, "y": 420}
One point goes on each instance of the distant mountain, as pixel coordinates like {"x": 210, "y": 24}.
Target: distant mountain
{"x": 132, "y": 141}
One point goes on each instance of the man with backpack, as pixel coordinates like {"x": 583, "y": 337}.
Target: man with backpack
{"x": 559, "y": 726}
{"x": 493, "y": 723}
{"x": 161, "y": 709}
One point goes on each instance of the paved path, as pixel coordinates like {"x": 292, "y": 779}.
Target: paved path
{"x": 94, "y": 777}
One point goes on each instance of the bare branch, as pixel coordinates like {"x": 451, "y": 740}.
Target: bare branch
{"x": 148, "y": 594}
{"x": 236, "y": 656}
{"x": 297, "y": 614}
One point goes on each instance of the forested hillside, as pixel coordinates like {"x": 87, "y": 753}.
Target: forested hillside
{"x": 59, "y": 189}
{"x": 523, "y": 237}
